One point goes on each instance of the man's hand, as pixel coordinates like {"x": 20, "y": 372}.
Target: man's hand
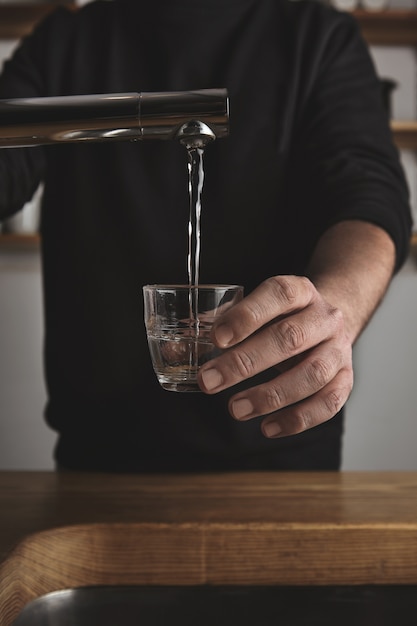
{"x": 284, "y": 322}
{"x": 305, "y": 328}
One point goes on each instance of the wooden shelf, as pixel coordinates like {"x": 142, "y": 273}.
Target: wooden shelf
{"x": 405, "y": 134}
{"x": 392, "y": 27}
{"x": 19, "y": 242}
{"x": 17, "y": 20}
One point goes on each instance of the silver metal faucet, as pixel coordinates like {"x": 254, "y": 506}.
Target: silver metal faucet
{"x": 192, "y": 117}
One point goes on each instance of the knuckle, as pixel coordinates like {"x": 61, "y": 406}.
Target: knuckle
{"x": 348, "y": 377}
{"x": 338, "y": 318}
{"x": 275, "y": 398}
{"x": 253, "y": 313}
{"x": 319, "y": 372}
{"x": 301, "y": 419}
{"x": 283, "y": 289}
{"x": 333, "y": 401}
{"x": 337, "y": 314}
{"x": 335, "y": 397}
{"x": 293, "y": 336}
{"x": 243, "y": 363}
{"x": 287, "y": 290}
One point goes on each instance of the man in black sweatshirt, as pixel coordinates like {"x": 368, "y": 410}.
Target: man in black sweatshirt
{"x": 305, "y": 204}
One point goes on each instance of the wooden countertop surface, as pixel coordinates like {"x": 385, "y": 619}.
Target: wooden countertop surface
{"x": 62, "y": 530}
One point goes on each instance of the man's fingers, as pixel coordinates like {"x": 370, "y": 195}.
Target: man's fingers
{"x": 275, "y": 297}
{"x": 319, "y": 368}
{"x": 275, "y": 343}
{"x": 311, "y": 412}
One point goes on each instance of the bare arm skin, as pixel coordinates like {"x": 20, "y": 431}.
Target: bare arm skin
{"x": 352, "y": 268}
{"x": 306, "y": 328}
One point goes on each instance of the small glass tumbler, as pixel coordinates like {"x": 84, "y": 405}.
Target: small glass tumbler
{"x": 178, "y": 321}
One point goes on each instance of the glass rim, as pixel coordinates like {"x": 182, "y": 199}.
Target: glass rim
{"x": 205, "y": 286}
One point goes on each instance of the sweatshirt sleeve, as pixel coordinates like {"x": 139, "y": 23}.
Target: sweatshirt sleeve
{"x": 343, "y": 142}
{"x": 22, "y": 169}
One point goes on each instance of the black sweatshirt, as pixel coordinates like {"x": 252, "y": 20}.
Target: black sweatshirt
{"x": 309, "y": 146}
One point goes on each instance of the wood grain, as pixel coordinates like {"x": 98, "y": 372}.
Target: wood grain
{"x": 67, "y": 530}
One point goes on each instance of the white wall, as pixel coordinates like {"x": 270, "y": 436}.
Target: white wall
{"x": 381, "y": 414}
{"x": 25, "y": 440}
{"x": 381, "y": 425}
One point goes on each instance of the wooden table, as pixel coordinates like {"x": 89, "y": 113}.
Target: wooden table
{"x": 60, "y": 530}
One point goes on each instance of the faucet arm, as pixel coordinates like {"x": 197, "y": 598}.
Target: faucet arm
{"x": 105, "y": 117}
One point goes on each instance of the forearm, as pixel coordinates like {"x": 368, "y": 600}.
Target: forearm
{"x": 351, "y": 267}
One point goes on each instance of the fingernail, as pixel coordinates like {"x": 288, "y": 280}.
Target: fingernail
{"x": 242, "y": 408}
{"x": 211, "y": 378}
{"x": 224, "y": 335}
{"x": 271, "y": 429}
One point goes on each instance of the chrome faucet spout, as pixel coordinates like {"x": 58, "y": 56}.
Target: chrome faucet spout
{"x": 113, "y": 117}
{"x": 195, "y": 134}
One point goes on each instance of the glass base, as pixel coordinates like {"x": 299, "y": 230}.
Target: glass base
{"x": 180, "y": 386}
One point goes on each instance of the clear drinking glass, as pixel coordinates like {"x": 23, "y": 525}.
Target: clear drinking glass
{"x": 178, "y": 321}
